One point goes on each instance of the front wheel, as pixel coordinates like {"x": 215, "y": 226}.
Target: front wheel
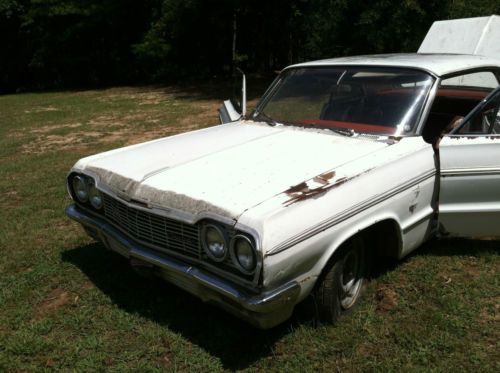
{"x": 340, "y": 288}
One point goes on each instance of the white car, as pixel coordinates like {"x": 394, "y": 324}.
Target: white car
{"x": 341, "y": 160}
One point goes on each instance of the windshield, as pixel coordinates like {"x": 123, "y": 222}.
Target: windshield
{"x": 383, "y": 101}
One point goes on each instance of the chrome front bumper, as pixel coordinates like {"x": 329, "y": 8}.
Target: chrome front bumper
{"x": 264, "y": 310}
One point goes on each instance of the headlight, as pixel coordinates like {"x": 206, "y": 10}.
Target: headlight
{"x": 83, "y": 190}
{"x": 80, "y": 188}
{"x": 243, "y": 254}
{"x": 95, "y": 197}
{"x": 214, "y": 242}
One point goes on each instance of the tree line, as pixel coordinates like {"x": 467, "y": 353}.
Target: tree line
{"x": 73, "y": 43}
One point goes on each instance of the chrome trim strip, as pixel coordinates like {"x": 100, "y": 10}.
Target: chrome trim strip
{"x": 348, "y": 213}
{"x": 470, "y": 172}
{"x": 265, "y": 309}
{"x": 431, "y": 96}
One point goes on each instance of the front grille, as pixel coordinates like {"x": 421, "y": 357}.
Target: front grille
{"x": 154, "y": 229}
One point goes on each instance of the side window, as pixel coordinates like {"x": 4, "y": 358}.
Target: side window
{"x": 481, "y": 79}
{"x": 455, "y": 98}
{"x": 485, "y": 121}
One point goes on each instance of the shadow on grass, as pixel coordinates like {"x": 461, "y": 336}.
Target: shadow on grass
{"x": 440, "y": 247}
{"x": 234, "y": 342}
{"x": 460, "y": 247}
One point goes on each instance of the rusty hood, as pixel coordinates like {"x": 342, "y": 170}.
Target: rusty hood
{"x": 226, "y": 169}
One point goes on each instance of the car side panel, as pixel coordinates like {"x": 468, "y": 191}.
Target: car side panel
{"x": 470, "y": 185}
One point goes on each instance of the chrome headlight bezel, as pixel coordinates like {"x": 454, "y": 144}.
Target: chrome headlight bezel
{"x": 91, "y": 191}
{"x": 205, "y": 244}
{"x": 78, "y": 181}
{"x": 234, "y": 254}
{"x": 95, "y": 197}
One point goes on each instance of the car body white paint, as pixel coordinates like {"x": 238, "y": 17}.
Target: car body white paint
{"x": 246, "y": 174}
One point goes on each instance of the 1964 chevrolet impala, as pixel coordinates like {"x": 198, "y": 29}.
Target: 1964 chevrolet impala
{"x": 342, "y": 159}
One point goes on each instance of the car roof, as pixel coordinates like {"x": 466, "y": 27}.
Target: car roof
{"x": 437, "y": 64}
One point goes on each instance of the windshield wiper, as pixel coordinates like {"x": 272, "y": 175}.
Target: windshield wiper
{"x": 265, "y": 118}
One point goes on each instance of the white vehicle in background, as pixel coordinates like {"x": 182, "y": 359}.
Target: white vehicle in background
{"x": 341, "y": 160}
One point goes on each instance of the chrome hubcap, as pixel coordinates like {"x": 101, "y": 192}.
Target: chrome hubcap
{"x": 351, "y": 278}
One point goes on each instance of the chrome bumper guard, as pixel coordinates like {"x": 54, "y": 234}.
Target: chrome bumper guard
{"x": 264, "y": 310}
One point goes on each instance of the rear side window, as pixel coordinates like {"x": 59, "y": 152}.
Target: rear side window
{"x": 484, "y": 121}
{"x": 455, "y": 98}
{"x": 481, "y": 79}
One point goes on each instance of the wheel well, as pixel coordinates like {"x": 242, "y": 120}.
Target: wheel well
{"x": 384, "y": 238}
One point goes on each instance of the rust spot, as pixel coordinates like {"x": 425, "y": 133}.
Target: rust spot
{"x": 304, "y": 190}
{"x": 324, "y": 178}
{"x": 316, "y": 186}
{"x": 300, "y": 196}
{"x": 299, "y": 188}
{"x": 395, "y": 138}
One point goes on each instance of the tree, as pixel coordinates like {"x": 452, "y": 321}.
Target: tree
{"x": 63, "y": 43}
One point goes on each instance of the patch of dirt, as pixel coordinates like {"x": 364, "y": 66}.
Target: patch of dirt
{"x": 105, "y": 128}
{"x": 473, "y": 269}
{"x": 87, "y": 285}
{"x": 62, "y": 224}
{"x": 143, "y": 96}
{"x": 41, "y": 109}
{"x": 55, "y": 142}
{"x": 105, "y": 120}
{"x": 200, "y": 120}
{"x": 72, "y": 141}
{"x": 55, "y": 300}
{"x": 491, "y": 314}
{"x": 80, "y": 140}
{"x": 46, "y": 129}
{"x": 140, "y": 137}
{"x": 167, "y": 357}
{"x": 10, "y": 199}
{"x": 367, "y": 349}
{"x": 387, "y": 299}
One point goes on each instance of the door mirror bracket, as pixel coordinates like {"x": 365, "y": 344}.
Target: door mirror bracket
{"x": 236, "y": 108}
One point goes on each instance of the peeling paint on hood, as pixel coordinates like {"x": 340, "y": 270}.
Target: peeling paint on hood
{"x": 224, "y": 169}
{"x": 316, "y": 186}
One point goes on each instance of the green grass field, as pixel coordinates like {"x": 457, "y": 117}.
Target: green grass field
{"x": 67, "y": 303}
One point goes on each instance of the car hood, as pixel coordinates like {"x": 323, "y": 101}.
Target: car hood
{"x": 225, "y": 169}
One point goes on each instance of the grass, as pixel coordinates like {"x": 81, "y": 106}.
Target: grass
{"x": 67, "y": 304}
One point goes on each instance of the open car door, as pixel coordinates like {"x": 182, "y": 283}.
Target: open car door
{"x": 469, "y": 200}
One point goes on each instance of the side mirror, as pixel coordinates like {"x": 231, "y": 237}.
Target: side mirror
{"x": 235, "y": 108}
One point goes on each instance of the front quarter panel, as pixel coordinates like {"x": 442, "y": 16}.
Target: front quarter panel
{"x": 299, "y": 237}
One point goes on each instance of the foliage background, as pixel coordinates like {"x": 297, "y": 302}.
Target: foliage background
{"x": 75, "y": 43}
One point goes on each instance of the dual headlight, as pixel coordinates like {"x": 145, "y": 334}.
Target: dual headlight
{"x": 240, "y": 248}
{"x": 84, "y": 191}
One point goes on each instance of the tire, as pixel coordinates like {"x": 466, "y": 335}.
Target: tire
{"x": 340, "y": 288}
